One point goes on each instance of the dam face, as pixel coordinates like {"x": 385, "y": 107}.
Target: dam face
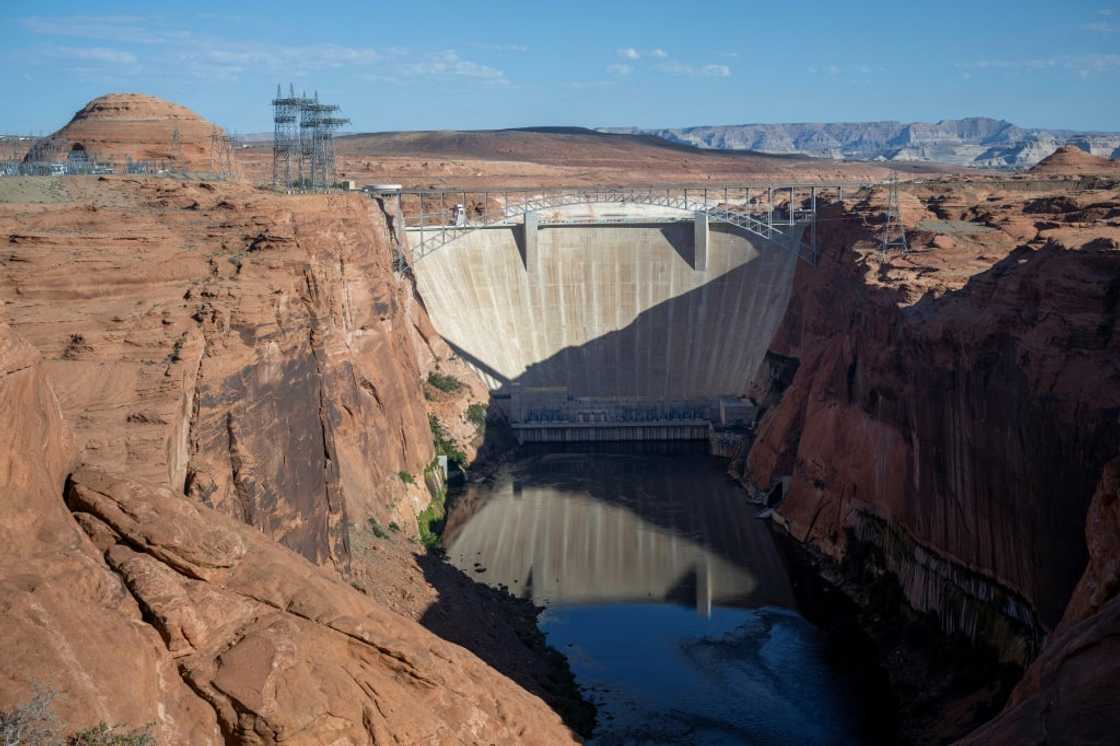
{"x": 614, "y": 311}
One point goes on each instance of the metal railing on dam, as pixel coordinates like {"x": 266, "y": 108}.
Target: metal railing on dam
{"x": 437, "y": 217}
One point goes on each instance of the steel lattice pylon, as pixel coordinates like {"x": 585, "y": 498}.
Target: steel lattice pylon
{"x": 894, "y": 233}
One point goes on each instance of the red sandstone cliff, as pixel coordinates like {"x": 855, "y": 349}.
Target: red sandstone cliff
{"x": 202, "y": 346}
{"x": 956, "y": 409}
{"x": 252, "y": 350}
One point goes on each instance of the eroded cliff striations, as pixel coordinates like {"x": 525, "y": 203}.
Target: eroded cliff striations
{"x": 959, "y": 403}
{"x": 253, "y": 351}
{"x": 232, "y": 367}
{"x": 952, "y": 410}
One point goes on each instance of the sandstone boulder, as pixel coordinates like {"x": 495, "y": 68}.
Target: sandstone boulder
{"x": 280, "y": 649}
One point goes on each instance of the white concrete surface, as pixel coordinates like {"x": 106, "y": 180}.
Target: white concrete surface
{"x": 611, "y": 310}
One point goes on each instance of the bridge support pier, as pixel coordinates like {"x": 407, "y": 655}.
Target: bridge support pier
{"x": 529, "y": 241}
{"x": 700, "y": 242}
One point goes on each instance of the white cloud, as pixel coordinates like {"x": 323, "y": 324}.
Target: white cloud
{"x": 115, "y": 28}
{"x": 702, "y": 71}
{"x": 659, "y": 54}
{"x": 448, "y": 64}
{"x": 620, "y": 71}
{"x": 96, "y": 54}
{"x": 1099, "y": 27}
{"x": 519, "y": 48}
{"x": 629, "y": 53}
{"x": 1083, "y": 65}
{"x": 580, "y": 85}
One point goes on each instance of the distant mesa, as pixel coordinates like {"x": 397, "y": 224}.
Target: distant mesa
{"x": 119, "y": 126}
{"x": 974, "y": 141}
{"x": 1071, "y": 160}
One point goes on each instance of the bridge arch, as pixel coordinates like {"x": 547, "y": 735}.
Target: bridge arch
{"x": 762, "y": 216}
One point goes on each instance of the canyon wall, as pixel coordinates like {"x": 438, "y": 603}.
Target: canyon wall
{"x": 208, "y": 368}
{"x": 953, "y": 408}
{"x": 253, "y": 351}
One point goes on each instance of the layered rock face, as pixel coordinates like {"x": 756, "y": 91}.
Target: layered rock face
{"x": 280, "y": 649}
{"x": 956, "y": 411}
{"x": 70, "y": 625}
{"x": 252, "y": 351}
{"x": 119, "y": 126}
{"x": 955, "y": 408}
{"x": 231, "y": 367}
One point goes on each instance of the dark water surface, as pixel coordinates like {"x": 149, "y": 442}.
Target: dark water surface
{"x": 668, "y": 596}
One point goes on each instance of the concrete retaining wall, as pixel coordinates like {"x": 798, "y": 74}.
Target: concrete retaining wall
{"x": 612, "y": 310}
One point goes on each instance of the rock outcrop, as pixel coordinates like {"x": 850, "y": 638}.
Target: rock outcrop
{"x": 1070, "y": 160}
{"x": 70, "y": 625}
{"x": 955, "y": 409}
{"x": 253, "y": 366}
{"x": 280, "y": 649}
{"x": 1069, "y": 695}
{"x": 119, "y": 126}
{"x": 252, "y": 350}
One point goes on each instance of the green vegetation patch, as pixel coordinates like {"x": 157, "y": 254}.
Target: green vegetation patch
{"x": 406, "y": 477}
{"x": 430, "y": 521}
{"x": 446, "y": 383}
{"x": 376, "y": 529}
{"x": 476, "y": 415}
{"x": 445, "y": 446}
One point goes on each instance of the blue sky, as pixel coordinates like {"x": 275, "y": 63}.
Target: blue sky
{"x": 411, "y": 64}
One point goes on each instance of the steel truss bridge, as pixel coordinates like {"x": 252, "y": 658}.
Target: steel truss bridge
{"x": 775, "y": 212}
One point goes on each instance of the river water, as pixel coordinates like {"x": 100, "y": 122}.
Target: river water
{"x": 669, "y": 598}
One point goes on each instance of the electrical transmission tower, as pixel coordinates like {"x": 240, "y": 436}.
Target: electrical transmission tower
{"x": 894, "y": 233}
{"x": 316, "y": 134}
{"x": 221, "y": 153}
{"x": 285, "y": 137}
{"x": 303, "y": 141}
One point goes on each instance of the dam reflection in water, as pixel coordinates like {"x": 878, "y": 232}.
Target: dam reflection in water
{"x": 669, "y": 598}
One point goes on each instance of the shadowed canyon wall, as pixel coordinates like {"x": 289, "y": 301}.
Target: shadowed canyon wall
{"x": 964, "y": 433}
{"x": 610, "y": 310}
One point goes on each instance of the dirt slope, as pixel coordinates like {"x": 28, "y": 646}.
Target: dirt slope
{"x": 550, "y": 157}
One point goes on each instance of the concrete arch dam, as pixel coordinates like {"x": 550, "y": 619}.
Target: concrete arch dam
{"x": 611, "y": 315}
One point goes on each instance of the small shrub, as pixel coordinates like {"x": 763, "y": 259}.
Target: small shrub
{"x": 394, "y": 527}
{"x": 444, "y": 445}
{"x": 476, "y": 414}
{"x": 103, "y": 734}
{"x": 406, "y": 477}
{"x": 446, "y": 383}
{"x": 375, "y": 527}
{"x": 30, "y": 724}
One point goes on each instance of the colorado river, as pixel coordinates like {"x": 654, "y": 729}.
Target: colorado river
{"x": 670, "y": 599}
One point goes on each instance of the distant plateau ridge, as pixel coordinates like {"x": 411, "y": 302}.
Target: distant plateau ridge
{"x": 974, "y": 141}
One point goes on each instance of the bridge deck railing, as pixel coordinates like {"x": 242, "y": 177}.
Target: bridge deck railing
{"x": 437, "y": 217}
